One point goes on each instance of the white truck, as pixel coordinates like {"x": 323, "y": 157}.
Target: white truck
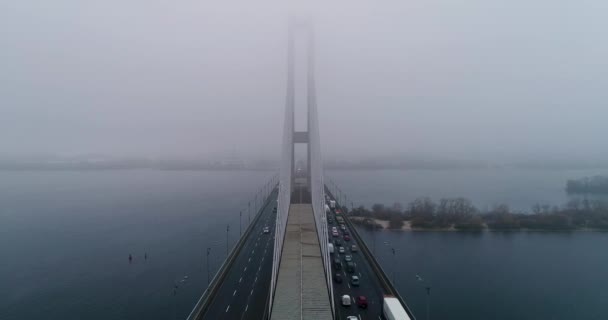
{"x": 332, "y": 204}
{"x": 326, "y": 209}
{"x": 393, "y": 310}
{"x": 331, "y": 247}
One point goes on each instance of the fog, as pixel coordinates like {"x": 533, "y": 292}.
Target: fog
{"x": 481, "y": 80}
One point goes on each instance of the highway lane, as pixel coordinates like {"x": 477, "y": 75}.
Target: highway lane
{"x": 243, "y": 293}
{"x": 370, "y": 285}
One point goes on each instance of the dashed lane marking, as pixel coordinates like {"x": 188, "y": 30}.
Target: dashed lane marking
{"x": 228, "y": 308}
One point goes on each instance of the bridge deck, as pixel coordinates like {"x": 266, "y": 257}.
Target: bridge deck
{"x": 301, "y": 291}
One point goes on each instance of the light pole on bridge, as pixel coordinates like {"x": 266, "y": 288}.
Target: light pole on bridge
{"x": 208, "y": 252}
{"x": 227, "y": 230}
{"x": 393, "y": 250}
{"x": 428, "y": 302}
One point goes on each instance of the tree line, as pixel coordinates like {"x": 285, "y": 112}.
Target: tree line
{"x": 461, "y": 214}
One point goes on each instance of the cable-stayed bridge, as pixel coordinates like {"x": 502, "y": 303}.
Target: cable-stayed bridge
{"x": 283, "y": 266}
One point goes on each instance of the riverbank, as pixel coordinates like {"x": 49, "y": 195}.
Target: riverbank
{"x": 407, "y": 226}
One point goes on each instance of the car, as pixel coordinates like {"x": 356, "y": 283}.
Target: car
{"x": 335, "y": 233}
{"x": 362, "y": 302}
{"x": 346, "y": 300}
{"x": 348, "y": 258}
{"x": 346, "y": 238}
{"x": 337, "y": 264}
{"x": 341, "y": 249}
{"x": 334, "y": 228}
{"x": 354, "y": 280}
{"x": 350, "y": 267}
{"x": 352, "y": 318}
{"x": 354, "y": 248}
{"x": 266, "y": 230}
{"x": 343, "y": 227}
{"x": 346, "y": 232}
{"x": 338, "y": 211}
{"x": 338, "y": 242}
{"x": 338, "y": 278}
{"x": 274, "y": 210}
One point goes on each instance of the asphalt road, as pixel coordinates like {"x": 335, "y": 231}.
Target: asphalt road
{"x": 243, "y": 293}
{"x": 369, "y": 286}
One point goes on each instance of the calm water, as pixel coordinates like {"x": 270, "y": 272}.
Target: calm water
{"x": 65, "y": 238}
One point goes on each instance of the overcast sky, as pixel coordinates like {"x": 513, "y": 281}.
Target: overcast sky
{"x": 475, "y": 79}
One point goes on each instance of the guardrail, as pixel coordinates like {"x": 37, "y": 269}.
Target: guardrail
{"x": 204, "y": 301}
{"x": 384, "y": 280}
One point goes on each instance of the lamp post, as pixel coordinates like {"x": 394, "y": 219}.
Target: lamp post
{"x": 208, "y": 252}
{"x": 227, "y": 230}
{"x": 393, "y": 250}
{"x": 428, "y": 302}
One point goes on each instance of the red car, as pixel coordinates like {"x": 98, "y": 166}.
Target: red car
{"x": 346, "y": 238}
{"x": 362, "y": 301}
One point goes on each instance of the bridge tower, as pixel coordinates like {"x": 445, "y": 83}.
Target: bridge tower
{"x": 301, "y": 264}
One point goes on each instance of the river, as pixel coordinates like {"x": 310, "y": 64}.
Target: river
{"x": 65, "y": 237}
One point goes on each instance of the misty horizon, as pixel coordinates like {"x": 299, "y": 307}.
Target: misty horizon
{"x": 201, "y": 80}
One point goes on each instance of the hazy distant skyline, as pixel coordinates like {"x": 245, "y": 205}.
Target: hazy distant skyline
{"x": 464, "y": 80}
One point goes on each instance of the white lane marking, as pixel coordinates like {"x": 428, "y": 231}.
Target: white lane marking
{"x": 260, "y": 268}
{"x": 234, "y": 293}
{"x": 251, "y": 292}
{"x": 249, "y": 260}
{"x": 348, "y": 285}
{"x": 360, "y": 276}
{"x": 241, "y": 279}
{"x": 256, "y": 279}
{"x": 246, "y": 307}
{"x": 228, "y": 308}
{"x": 252, "y": 251}
{"x": 245, "y": 269}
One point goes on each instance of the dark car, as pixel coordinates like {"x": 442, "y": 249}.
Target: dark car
{"x": 346, "y": 238}
{"x": 338, "y": 278}
{"x": 362, "y": 301}
{"x": 346, "y": 232}
{"x": 337, "y": 264}
{"x": 350, "y": 267}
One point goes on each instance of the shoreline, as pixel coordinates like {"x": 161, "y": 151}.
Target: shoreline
{"x": 408, "y": 228}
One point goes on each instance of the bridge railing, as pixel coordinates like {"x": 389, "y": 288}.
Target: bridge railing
{"x": 384, "y": 279}
{"x": 206, "y": 298}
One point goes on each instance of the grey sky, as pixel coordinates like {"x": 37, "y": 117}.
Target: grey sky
{"x": 471, "y": 79}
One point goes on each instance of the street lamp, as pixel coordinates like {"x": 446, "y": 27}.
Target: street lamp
{"x": 227, "y": 230}
{"x": 393, "y": 250}
{"x": 428, "y": 297}
{"x": 428, "y": 302}
{"x": 208, "y": 252}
